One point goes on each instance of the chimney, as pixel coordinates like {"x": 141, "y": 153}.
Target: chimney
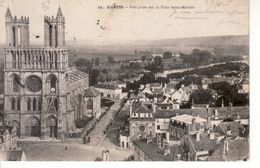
{"x": 130, "y": 110}
{"x": 209, "y": 117}
{"x": 154, "y": 108}
{"x": 197, "y": 136}
{"x": 216, "y": 114}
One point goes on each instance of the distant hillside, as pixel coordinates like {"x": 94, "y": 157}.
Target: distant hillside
{"x": 207, "y": 42}
{"x": 233, "y": 45}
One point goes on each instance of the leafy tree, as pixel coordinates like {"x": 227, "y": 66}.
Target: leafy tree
{"x": 97, "y": 61}
{"x": 158, "y": 61}
{"x": 93, "y": 77}
{"x": 167, "y": 55}
{"x": 147, "y": 78}
{"x": 202, "y": 97}
{"x": 111, "y": 59}
{"x": 143, "y": 58}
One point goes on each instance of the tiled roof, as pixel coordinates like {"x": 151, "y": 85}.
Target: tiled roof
{"x": 204, "y": 144}
{"x": 185, "y": 118}
{"x": 75, "y": 75}
{"x": 106, "y": 86}
{"x": 223, "y": 112}
{"x": 152, "y": 150}
{"x": 171, "y": 86}
{"x": 234, "y": 127}
{"x": 142, "y": 109}
{"x": 155, "y": 85}
{"x": 164, "y": 113}
{"x": 91, "y": 92}
{"x": 238, "y": 149}
{"x": 158, "y": 90}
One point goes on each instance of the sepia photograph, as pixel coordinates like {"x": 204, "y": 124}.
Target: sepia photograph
{"x": 124, "y": 80}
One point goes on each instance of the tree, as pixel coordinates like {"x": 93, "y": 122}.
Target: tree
{"x": 147, "y": 78}
{"x": 97, "y": 61}
{"x": 93, "y": 77}
{"x": 111, "y": 59}
{"x": 158, "y": 61}
{"x": 84, "y": 65}
{"x": 167, "y": 55}
{"x": 202, "y": 97}
{"x": 143, "y": 58}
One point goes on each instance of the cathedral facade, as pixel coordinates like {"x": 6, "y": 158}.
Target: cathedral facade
{"x": 37, "y": 80}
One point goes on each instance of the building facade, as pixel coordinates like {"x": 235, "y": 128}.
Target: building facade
{"x": 36, "y": 91}
{"x": 91, "y": 104}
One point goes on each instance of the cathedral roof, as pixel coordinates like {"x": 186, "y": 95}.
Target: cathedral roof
{"x": 91, "y": 92}
{"x": 74, "y": 74}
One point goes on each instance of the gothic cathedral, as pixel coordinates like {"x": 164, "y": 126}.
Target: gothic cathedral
{"x": 35, "y": 79}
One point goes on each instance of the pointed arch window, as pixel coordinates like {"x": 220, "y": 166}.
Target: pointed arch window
{"x": 13, "y": 102}
{"x": 40, "y": 104}
{"x": 52, "y": 82}
{"x": 18, "y": 36}
{"x": 18, "y": 103}
{"x": 14, "y": 34}
{"x": 15, "y": 84}
{"x": 34, "y": 104}
{"x": 34, "y": 122}
{"x": 14, "y": 59}
{"x": 29, "y": 104}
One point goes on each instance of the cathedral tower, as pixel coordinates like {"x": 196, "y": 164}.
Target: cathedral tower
{"x": 17, "y": 30}
{"x": 35, "y": 78}
{"x": 54, "y": 30}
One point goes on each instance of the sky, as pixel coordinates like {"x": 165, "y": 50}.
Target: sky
{"x": 86, "y": 21}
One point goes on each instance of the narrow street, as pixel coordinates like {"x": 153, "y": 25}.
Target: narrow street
{"x": 97, "y": 136}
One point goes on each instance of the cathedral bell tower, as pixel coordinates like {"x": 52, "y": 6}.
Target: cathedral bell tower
{"x": 35, "y": 78}
{"x": 54, "y": 30}
{"x": 17, "y": 30}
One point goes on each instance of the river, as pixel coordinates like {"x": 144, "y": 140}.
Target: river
{"x": 166, "y": 72}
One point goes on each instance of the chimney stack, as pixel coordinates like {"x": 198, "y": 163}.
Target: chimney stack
{"x": 197, "y": 136}
{"x": 154, "y": 108}
{"x": 130, "y": 110}
{"x": 216, "y": 114}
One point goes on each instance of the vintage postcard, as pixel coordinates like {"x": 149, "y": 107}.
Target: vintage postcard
{"x": 124, "y": 80}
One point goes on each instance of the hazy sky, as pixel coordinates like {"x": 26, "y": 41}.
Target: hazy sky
{"x": 204, "y": 18}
